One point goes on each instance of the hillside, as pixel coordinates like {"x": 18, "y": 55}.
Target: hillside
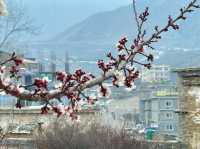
{"x": 91, "y": 38}
{"x": 107, "y": 27}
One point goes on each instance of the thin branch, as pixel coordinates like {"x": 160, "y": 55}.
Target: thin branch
{"x": 16, "y": 22}
{"x": 8, "y": 60}
{"x": 183, "y": 11}
{"x": 140, "y": 21}
{"x": 136, "y": 16}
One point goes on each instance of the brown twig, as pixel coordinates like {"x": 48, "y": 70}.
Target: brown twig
{"x": 183, "y": 11}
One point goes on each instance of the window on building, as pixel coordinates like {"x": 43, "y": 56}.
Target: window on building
{"x": 169, "y": 127}
{"x": 28, "y": 79}
{"x": 168, "y": 104}
{"x": 169, "y": 115}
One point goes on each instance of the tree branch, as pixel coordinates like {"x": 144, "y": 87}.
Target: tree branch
{"x": 172, "y": 23}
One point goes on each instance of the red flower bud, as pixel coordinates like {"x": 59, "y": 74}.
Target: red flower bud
{"x": 141, "y": 49}
{"x": 41, "y": 83}
{"x": 14, "y": 70}
{"x": 18, "y": 105}
{"x": 122, "y": 57}
{"x": 18, "y": 61}
{"x": 103, "y": 90}
{"x": 44, "y": 110}
{"x": 60, "y": 76}
{"x": 57, "y": 110}
{"x": 114, "y": 81}
{"x": 1, "y": 70}
{"x": 73, "y": 116}
{"x": 123, "y": 41}
{"x": 148, "y": 66}
{"x": 120, "y": 47}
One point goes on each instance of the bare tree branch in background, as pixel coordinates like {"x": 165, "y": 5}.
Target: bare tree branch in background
{"x": 16, "y": 24}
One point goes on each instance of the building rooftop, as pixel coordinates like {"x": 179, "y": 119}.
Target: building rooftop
{"x": 190, "y": 69}
{"x": 37, "y": 110}
{"x": 189, "y": 73}
{"x": 30, "y": 61}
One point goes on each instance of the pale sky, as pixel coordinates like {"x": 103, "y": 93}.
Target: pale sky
{"x": 57, "y": 15}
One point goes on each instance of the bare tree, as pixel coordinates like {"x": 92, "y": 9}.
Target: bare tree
{"x": 16, "y": 24}
{"x": 81, "y": 136}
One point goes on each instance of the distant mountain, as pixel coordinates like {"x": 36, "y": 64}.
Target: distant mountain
{"x": 91, "y": 38}
{"x": 107, "y": 27}
{"x": 180, "y": 58}
{"x": 54, "y": 16}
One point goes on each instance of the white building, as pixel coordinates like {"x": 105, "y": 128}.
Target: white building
{"x": 157, "y": 74}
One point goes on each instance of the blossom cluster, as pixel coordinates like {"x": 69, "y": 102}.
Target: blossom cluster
{"x": 11, "y": 71}
{"x": 127, "y": 75}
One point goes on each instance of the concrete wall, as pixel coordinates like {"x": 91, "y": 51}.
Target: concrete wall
{"x": 189, "y": 130}
{"x": 28, "y": 120}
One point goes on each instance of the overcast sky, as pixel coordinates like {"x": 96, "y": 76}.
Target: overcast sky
{"x": 56, "y": 15}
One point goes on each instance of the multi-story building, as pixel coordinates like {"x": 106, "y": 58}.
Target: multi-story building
{"x": 157, "y": 74}
{"x": 158, "y": 109}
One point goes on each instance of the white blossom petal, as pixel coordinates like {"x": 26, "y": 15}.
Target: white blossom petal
{"x": 58, "y": 85}
{"x": 46, "y": 79}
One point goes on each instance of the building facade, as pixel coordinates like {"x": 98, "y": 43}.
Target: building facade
{"x": 157, "y": 74}
{"x": 158, "y": 110}
{"x": 189, "y": 106}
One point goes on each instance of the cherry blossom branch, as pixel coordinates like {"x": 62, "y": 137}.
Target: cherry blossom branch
{"x": 12, "y": 58}
{"x": 119, "y": 68}
{"x": 136, "y": 16}
{"x": 172, "y": 22}
{"x": 140, "y": 21}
